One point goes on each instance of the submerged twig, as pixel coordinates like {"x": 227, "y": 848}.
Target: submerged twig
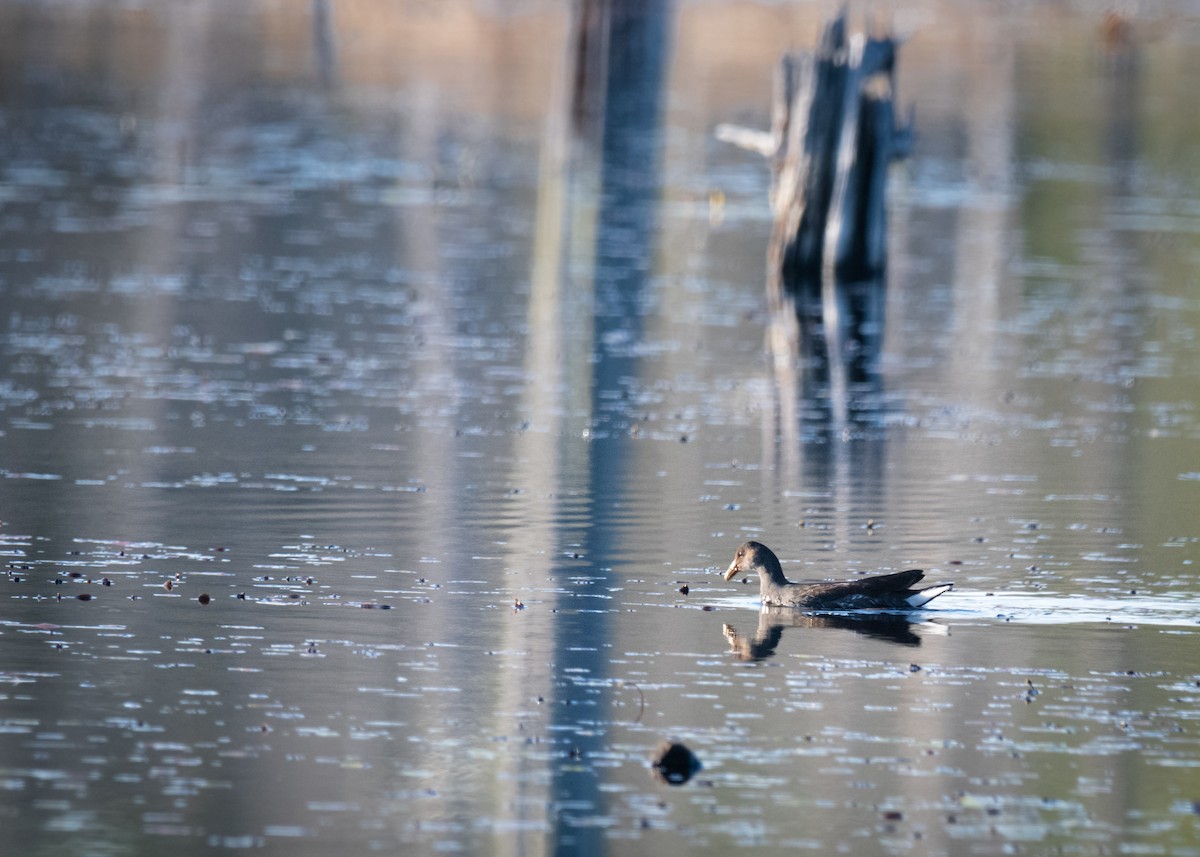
{"x": 641, "y": 698}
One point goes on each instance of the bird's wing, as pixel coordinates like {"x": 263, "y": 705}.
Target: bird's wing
{"x": 880, "y": 585}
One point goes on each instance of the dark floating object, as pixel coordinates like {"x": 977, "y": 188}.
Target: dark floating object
{"x": 886, "y": 591}
{"x": 1031, "y": 692}
{"x": 84, "y": 596}
{"x": 674, "y": 763}
{"x": 683, "y": 590}
{"x": 203, "y": 598}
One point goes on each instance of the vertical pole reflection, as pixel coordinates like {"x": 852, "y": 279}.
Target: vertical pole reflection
{"x": 597, "y": 222}
{"x": 324, "y": 43}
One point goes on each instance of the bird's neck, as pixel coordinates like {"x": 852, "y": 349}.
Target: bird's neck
{"x": 771, "y": 572}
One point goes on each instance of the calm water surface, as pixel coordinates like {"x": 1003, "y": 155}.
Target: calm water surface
{"x": 422, "y": 355}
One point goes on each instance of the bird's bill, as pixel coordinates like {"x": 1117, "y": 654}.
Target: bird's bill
{"x": 732, "y": 572}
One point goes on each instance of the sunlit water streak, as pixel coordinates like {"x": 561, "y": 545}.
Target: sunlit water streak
{"x": 963, "y": 605}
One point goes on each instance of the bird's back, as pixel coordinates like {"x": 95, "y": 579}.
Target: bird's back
{"x": 885, "y": 590}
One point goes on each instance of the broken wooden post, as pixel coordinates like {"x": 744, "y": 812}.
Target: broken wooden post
{"x": 833, "y": 135}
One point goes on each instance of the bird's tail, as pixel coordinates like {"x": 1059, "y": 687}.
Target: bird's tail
{"x": 923, "y": 596}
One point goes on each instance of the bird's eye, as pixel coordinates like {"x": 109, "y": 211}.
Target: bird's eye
{"x": 740, "y": 553}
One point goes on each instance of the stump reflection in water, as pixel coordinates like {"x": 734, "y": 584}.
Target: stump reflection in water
{"x": 833, "y": 136}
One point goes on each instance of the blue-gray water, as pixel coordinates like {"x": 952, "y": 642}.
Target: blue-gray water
{"x": 440, "y": 377}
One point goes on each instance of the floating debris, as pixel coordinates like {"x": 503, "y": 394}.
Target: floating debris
{"x": 674, "y": 763}
{"x": 1030, "y": 691}
{"x": 203, "y": 598}
{"x": 641, "y": 698}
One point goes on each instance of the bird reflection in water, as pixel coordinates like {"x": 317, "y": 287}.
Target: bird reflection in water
{"x": 889, "y": 627}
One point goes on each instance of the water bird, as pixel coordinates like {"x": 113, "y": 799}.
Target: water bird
{"x": 885, "y": 591}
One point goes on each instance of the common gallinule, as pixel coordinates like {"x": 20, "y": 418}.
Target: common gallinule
{"x": 885, "y": 591}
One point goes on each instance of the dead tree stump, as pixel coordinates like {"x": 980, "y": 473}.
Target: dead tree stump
{"x": 833, "y": 135}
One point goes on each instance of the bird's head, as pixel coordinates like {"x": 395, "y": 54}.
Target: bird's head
{"x": 749, "y": 557}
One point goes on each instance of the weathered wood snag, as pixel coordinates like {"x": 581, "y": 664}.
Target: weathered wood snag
{"x": 833, "y": 135}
